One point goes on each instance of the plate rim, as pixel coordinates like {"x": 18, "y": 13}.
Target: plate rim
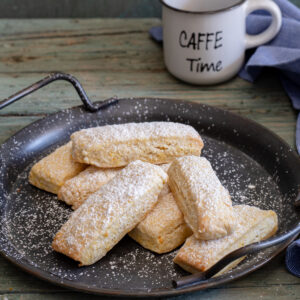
{"x": 66, "y": 283}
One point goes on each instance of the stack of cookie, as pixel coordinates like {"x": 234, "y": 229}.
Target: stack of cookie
{"x": 147, "y": 180}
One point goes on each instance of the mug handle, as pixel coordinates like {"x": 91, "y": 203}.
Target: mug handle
{"x": 267, "y": 35}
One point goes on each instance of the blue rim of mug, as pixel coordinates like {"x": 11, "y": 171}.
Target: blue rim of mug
{"x": 203, "y": 11}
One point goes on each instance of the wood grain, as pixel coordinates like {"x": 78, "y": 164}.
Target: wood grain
{"x": 79, "y": 8}
{"x": 116, "y": 57}
{"x": 82, "y": 9}
{"x": 271, "y": 282}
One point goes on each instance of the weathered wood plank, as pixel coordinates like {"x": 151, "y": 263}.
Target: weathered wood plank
{"x": 266, "y": 106}
{"x": 15, "y": 281}
{"x": 81, "y": 9}
{"x": 236, "y": 95}
{"x": 29, "y": 28}
{"x": 280, "y": 292}
{"x": 113, "y": 57}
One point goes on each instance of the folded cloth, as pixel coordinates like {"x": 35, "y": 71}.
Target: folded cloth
{"x": 282, "y": 53}
{"x": 292, "y": 258}
{"x": 156, "y": 33}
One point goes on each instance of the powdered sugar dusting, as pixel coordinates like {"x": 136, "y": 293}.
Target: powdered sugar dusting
{"x": 203, "y": 254}
{"x": 117, "y": 145}
{"x": 77, "y": 189}
{"x": 108, "y": 214}
{"x": 205, "y": 203}
{"x": 127, "y": 266}
{"x": 139, "y": 131}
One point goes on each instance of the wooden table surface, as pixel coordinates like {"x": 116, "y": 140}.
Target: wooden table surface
{"x": 116, "y": 57}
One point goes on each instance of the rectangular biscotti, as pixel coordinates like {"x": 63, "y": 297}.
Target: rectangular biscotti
{"x": 111, "y": 212}
{"x": 76, "y": 190}
{"x": 253, "y": 225}
{"x": 113, "y": 146}
{"x": 164, "y": 228}
{"x": 204, "y": 202}
{"x": 51, "y": 172}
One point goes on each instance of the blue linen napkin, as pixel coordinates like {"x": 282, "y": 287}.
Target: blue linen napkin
{"x": 283, "y": 54}
{"x": 292, "y": 258}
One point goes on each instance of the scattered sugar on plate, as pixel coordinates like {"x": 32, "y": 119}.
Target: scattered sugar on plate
{"x": 32, "y": 217}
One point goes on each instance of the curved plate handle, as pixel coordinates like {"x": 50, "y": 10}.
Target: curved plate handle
{"x": 53, "y": 77}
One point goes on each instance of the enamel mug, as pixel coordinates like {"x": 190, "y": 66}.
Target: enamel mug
{"x": 205, "y": 40}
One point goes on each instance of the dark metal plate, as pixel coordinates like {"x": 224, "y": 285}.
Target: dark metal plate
{"x": 256, "y": 166}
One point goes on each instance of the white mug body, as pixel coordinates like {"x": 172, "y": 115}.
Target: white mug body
{"x": 205, "y": 47}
